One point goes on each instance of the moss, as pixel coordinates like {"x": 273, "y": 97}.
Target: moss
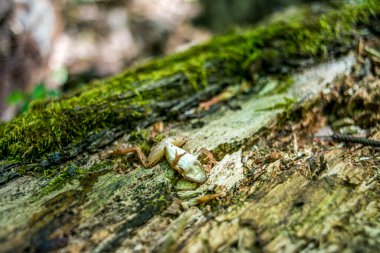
{"x": 2, "y": 128}
{"x": 129, "y": 98}
{"x": 185, "y": 185}
{"x": 286, "y": 105}
{"x": 140, "y": 137}
{"x": 59, "y": 181}
{"x": 225, "y": 148}
{"x": 70, "y": 173}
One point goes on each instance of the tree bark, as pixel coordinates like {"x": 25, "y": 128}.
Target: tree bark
{"x": 274, "y": 188}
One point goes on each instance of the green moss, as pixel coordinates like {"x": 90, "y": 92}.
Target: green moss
{"x": 286, "y": 105}
{"x": 225, "y": 148}
{"x": 59, "y": 181}
{"x": 185, "y": 185}
{"x": 129, "y": 98}
{"x": 71, "y": 173}
{"x": 140, "y": 137}
{"x": 2, "y": 128}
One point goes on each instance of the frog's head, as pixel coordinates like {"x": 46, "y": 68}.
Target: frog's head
{"x": 195, "y": 172}
{"x": 178, "y": 141}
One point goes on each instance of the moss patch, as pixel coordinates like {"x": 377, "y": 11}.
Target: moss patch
{"x": 73, "y": 172}
{"x": 131, "y": 97}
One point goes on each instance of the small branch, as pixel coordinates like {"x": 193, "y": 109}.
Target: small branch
{"x": 350, "y": 139}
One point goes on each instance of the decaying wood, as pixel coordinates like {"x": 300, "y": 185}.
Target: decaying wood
{"x": 275, "y": 188}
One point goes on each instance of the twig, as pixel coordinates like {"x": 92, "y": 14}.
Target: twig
{"x": 351, "y": 139}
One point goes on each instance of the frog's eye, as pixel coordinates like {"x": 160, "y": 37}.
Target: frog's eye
{"x": 183, "y": 140}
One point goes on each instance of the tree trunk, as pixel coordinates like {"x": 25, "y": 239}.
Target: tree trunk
{"x": 275, "y": 187}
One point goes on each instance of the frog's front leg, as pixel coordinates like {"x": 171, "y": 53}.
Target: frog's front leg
{"x": 173, "y": 163}
{"x": 158, "y": 151}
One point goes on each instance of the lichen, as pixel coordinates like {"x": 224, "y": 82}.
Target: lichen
{"x": 129, "y": 98}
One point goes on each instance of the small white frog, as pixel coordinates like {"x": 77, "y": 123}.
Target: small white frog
{"x": 186, "y": 164}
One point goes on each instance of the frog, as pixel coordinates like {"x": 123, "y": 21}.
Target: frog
{"x": 182, "y": 161}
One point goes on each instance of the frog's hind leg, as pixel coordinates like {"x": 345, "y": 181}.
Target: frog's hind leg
{"x": 156, "y": 154}
{"x": 137, "y": 151}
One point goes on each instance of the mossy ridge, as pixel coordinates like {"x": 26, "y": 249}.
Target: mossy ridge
{"x": 127, "y": 98}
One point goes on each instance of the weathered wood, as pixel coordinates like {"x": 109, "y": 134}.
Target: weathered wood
{"x": 279, "y": 189}
{"x": 131, "y": 98}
